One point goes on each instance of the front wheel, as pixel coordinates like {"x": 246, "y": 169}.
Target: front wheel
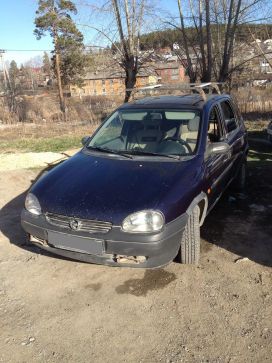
{"x": 190, "y": 243}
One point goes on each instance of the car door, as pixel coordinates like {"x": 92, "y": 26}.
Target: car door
{"x": 216, "y": 165}
{"x": 234, "y": 135}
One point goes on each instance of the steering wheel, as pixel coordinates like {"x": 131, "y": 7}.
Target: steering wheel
{"x": 180, "y": 141}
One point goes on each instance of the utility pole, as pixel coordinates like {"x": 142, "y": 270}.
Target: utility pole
{"x": 9, "y": 91}
{"x": 2, "y": 52}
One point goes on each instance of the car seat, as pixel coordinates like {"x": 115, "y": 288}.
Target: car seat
{"x": 150, "y": 135}
{"x": 191, "y": 134}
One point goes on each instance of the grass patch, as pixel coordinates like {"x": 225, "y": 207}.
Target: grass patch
{"x": 260, "y": 152}
{"x": 53, "y": 144}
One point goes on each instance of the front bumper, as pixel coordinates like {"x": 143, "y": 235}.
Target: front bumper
{"x": 158, "y": 248}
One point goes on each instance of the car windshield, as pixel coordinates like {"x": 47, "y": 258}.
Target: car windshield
{"x": 161, "y": 132}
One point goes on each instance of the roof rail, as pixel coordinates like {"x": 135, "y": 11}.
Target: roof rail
{"x": 200, "y": 88}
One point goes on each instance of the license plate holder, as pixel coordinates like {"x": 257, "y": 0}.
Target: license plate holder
{"x": 75, "y": 243}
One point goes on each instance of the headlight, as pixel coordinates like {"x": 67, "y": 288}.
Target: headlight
{"x": 32, "y": 204}
{"x": 144, "y": 221}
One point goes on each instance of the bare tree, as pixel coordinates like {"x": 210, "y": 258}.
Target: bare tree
{"x": 259, "y": 49}
{"x": 208, "y": 31}
{"x": 234, "y": 12}
{"x": 124, "y": 32}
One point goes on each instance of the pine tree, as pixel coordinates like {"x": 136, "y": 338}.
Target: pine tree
{"x": 54, "y": 17}
{"x": 13, "y": 75}
{"x": 46, "y": 63}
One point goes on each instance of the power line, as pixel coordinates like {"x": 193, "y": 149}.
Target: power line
{"x": 27, "y": 50}
{"x": 45, "y": 50}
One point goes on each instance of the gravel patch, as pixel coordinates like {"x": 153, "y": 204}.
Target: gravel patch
{"x": 28, "y": 160}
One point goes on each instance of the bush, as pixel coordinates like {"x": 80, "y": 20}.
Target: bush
{"x": 45, "y": 108}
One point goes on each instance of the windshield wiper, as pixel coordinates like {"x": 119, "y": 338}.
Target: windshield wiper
{"x": 109, "y": 151}
{"x": 142, "y": 152}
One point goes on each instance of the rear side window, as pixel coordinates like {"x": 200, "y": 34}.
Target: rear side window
{"x": 228, "y": 116}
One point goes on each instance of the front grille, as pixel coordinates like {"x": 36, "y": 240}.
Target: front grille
{"x": 77, "y": 224}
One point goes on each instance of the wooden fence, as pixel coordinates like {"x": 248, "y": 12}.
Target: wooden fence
{"x": 255, "y": 106}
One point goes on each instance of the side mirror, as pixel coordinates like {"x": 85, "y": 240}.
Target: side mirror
{"x": 216, "y": 148}
{"x": 84, "y": 140}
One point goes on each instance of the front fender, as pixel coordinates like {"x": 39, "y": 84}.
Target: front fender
{"x": 200, "y": 198}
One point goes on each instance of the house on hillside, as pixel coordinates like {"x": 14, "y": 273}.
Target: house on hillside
{"x": 32, "y": 78}
{"x": 112, "y": 82}
{"x": 265, "y": 64}
{"x": 261, "y": 80}
{"x": 109, "y": 83}
{"x": 172, "y": 72}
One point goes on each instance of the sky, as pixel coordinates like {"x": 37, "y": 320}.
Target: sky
{"x": 17, "y": 25}
{"x": 16, "y": 30}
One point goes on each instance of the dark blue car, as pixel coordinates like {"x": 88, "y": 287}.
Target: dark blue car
{"x": 141, "y": 187}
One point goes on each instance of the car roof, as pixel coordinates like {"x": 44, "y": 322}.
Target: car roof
{"x": 183, "y": 101}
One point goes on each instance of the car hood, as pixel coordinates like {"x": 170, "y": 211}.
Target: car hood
{"x": 100, "y": 187}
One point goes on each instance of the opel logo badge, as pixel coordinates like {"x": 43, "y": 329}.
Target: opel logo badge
{"x": 74, "y": 224}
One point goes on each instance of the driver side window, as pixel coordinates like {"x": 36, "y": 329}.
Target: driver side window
{"x": 215, "y": 132}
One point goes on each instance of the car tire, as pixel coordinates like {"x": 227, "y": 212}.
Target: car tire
{"x": 190, "y": 242}
{"x": 26, "y": 242}
{"x": 239, "y": 182}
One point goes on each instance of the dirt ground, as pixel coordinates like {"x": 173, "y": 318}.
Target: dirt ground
{"x": 58, "y": 310}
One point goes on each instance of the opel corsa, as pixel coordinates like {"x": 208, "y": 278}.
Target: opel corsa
{"x": 143, "y": 184}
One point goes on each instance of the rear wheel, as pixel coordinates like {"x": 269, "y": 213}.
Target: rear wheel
{"x": 190, "y": 243}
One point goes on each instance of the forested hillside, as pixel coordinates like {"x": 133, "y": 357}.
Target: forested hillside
{"x": 166, "y": 38}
